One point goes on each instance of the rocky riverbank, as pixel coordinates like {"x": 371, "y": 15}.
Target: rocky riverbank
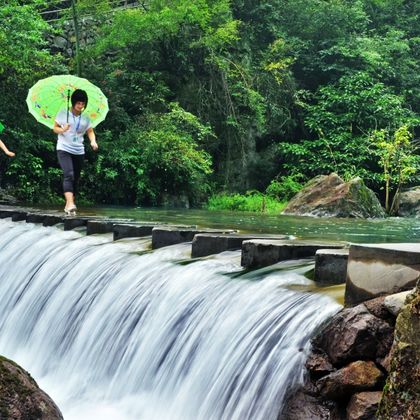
{"x": 366, "y": 357}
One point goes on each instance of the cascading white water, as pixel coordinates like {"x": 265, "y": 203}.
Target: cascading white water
{"x": 112, "y": 331}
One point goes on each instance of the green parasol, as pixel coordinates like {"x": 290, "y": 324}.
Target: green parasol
{"x": 1, "y": 128}
{"x": 51, "y": 95}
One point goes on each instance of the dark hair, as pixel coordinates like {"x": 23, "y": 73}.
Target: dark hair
{"x": 79, "y": 95}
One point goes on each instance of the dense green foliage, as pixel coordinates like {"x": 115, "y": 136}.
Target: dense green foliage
{"x": 220, "y": 95}
{"x": 252, "y": 201}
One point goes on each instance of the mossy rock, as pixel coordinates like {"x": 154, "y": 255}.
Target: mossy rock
{"x": 20, "y": 396}
{"x": 401, "y": 395}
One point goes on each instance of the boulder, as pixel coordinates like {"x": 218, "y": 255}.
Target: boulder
{"x": 355, "y": 377}
{"x": 318, "y": 364}
{"x": 401, "y": 396}
{"x": 330, "y": 196}
{"x": 377, "y": 308}
{"x": 363, "y": 405}
{"x": 409, "y": 202}
{"x": 20, "y": 396}
{"x": 353, "y": 334}
{"x": 395, "y": 302}
{"x": 302, "y": 406}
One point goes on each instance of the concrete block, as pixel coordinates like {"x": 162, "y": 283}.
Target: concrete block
{"x": 331, "y": 266}
{"x": 35, "y": 217}
{"x": 19, "y": 215}
{"x": 165, "y": 236}
{"x": 132, "y": 230}
{"x": 381, "y": 269}
{"x": 263, "y": 252}
{"x": 205, "y": 244}
{"x": 53, "y": 219}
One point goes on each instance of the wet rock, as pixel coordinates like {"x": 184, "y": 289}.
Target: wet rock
{"x": 401, "y": 394}
{"x": 395, "y": 302}
{"x": 409, "y": 202}
{"x": 377, "y": 308}
{"x": 318, "y": 364}
{"x": 20, "y": 396}
{"x": 363, "y": 405}
{"x": 302, "y": 406}
{"x": 354, "y": 334}
{"x": 355, "y": 377}
{"x": 330, "y": 196}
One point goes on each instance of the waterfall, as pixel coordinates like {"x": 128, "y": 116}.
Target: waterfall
{"x": 112, "y": 330}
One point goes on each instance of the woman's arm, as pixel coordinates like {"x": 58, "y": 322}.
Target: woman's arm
{"x": 58, "y": 129}
{"x": 6, "y": 150}
{"x": 92, "y": 137}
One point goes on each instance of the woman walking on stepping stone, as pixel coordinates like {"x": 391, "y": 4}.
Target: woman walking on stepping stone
{"x": 71, "y": 126}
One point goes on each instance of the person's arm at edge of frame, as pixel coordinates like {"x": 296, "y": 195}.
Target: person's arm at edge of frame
{"x": 6, "y": 150}
{"x": 92, "y": 138}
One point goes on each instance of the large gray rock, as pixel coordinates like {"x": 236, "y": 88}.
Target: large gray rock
{"x": 330, "y": 196}
{"x": 20, "y": 396}
{"x": 381, "y": 269}
{"x": 353, "y": 334}
{"x": 409, "y": 202}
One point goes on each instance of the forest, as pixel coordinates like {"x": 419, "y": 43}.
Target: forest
{"x": 216, "y": 101}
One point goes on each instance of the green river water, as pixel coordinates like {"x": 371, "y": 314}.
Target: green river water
{"x": 351, "y": 230}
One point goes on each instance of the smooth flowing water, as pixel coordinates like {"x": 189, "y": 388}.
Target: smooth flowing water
{"x": 112, "y": 330}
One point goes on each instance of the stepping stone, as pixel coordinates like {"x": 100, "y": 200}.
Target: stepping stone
{"x": 35, "y": 217}
{"x": 53, "y": 219}
{"x": 205, "y": 244}
{"x": 75, "y": 222}
{"x": 132, "y": 230}
{"x": 165, "y": 236}
{"x": 331, "y": 266}
{"x": 381, "y": 269}
{"x": 264, "y": 252}
{"x": 102, "y": 226}
{"x": 18, "y": 216}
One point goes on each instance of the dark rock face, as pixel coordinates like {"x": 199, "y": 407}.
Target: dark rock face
{"x": 355, "y": 377}
{"x": 354, "y": 334}
{"x": 410, "y": 202}
{"x": 318, "y": 364}
{"x": 330, "y": 196}
{"x": 20, "y": 396}
{"x": 401, "y": 397}
{"x": 301, "y": 406}
{"x": 363, "y": 405}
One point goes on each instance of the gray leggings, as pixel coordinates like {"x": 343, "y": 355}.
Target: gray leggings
{"x": 71, "y": 166}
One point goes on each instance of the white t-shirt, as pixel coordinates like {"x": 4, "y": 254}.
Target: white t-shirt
{"x": 72, "y": 140}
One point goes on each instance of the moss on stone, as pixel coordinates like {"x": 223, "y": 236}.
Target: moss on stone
{"x": 401, "y": 393}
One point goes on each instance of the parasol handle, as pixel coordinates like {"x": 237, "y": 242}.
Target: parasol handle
{"x": 68, "y": 100}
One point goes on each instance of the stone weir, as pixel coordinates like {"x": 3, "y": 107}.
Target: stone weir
{"x": 257, "y": 250}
